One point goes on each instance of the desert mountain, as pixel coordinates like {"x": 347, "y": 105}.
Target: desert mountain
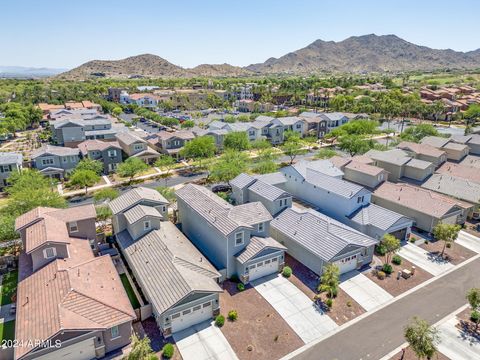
{"x": 219, "y": 70}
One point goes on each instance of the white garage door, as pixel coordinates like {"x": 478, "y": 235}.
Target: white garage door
{"x": 262, "y": 268}
{"x": 192, "y": 316}
{"x": 347, "y": 264}
{"x": 84, "y": 350}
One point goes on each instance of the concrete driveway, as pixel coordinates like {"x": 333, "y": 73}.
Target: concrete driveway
{"x": 363, "y": 290}
{"x": 469, "y": 241}
{"x": 455, "y": 344}
{"x": 203, "y": 341}
{"x": 420, "y": 257}
{"x": 303, "y": 316}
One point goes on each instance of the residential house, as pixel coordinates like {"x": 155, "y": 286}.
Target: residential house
{"x": 217, "y": 134}
{"x": 247, "y": 188}
{"x": 360, "y": 172}
{"x": 424, "y": 152}
{"x": 454, "y": 151}
{"x": 333, "y": 120}
{"x": 176, "y": 279}
{"x": 427, "y": 208}
{"x": 135, "y": 146}
{"x": 55, "y": 161}
{"x": 472, "y": 141}
{"x": 140, "y": 99}
{"x": 291, "y": 123}
{"x": 472, "y": 161}
{"x": 108, "y": 153}
{"x": 461, "y": 171}
{"x": 317, "y": 240}
{"x": 170, "y": 143}
{"x": 65, "y": 294}
{"x": 234, "y": 238}
{"x": 314, "y": 123}
{"x": 9, "y": 162}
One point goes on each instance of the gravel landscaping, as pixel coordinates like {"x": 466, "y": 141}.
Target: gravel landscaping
{"x": 466, "y": 325}
{"x": 302, "y": 277}
{"x": 157, "y": 341}
{"x": 455, "y": 255}
{"x": 259, "y": 332}
{"x": 410, "y": 355}
{"x": 396, "y": 287}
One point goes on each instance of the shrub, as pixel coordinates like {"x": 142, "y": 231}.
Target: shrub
{"x": 412, "y": 239}
{"x": 397, "y": 260}
{"x": 380, "y": 250}
{"x": 287, "y": 271}
{"x": 329, "y": 302}
{"x": 475, "y": 316}
{"x": 240, "y": 287}
{"x": 234, "y": 278}
{"x": 167, "y": 351}
{"x": 349, "y": 303}
{"x": 333, "y": 293}
{"x": 232, "y": 315}
{"x": 381, "y": 275}
{"x": 220, "y": 320}
{"x": 449, "y": 245}
{"x": 387, "y": 269}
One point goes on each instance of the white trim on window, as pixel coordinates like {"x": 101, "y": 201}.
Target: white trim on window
{"x": 49, "y": 253}
{"x": 261, "y": 227}
{"x": 146, "y": 225}
{"x": 239, "y": 238}
{"x": 115, "y": 333}
{"x": 73, "y": 226}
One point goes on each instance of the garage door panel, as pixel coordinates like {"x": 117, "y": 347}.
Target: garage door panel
{"x": 194, "y": 315}
{"x": 347, "y": 264}
{"x": 262, "y": 268}
{"x": 83, "y": 350}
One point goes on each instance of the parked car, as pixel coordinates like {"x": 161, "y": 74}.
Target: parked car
{"x": 221, "y": 188}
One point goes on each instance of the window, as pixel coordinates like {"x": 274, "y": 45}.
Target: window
{"x": 299, "y": 126}
{"x": 207, "y": 304}
{"x": 274, "y": 260}
{"x": 47, "y": 161}
{"x": 196, "y": 308}
{"x": 138, "y": 146}
{"x": 112, "y": 153}
{"x": 72, "y": 226}
{"x": 146, "y": 225}
{"x": 239, "y": 238}
{"x": 380, "y": 177}
{"x": 251, "y": 133}
{"x": 186, "y": 312}
{"x": 114, "y": 332}
{"x": 360, "y": 199}
{"x": 261, "y": 227}
{"x": 176, "y": 316}
{"x": 164, "y": 208}
{"x": 49, "y": 253}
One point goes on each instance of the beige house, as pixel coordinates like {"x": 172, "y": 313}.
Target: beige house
{"x": 135, "y": 146}
{"x": 427, "y": 208}
{"x": 424, "y": 152}
{"x": 359, "y": 172}
{"x": 454, "y": 151}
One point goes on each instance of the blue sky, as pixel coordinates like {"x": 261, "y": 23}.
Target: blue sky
{"x": 67, "y": 33}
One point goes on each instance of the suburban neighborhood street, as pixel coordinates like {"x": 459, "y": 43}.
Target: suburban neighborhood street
{"x": 381, "y": 332}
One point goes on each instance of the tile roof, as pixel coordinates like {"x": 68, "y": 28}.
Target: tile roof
{"x": 334, "y": 116}
{"x": 334, "y": 185}
{"x": 225, "y": 217}
{"x": 256, "y": 246}
{"x": 288, "y": 120}
{"x": 80, "y": 122}
{"x": 7, "y": 158}
{"x": 182, "y": 134}
{"x": 139, "y": 212}
{"x": 435, "y": 141}
{"x": 128, "y": 138}
{"x": 340, "y": 161}
{"x": 135, "y": 196}
{"x": 242, "y": 181}
{"x": 419, "y": 199}
{"x": 168, "y": 266}
{"x": 323, "y": 166}
{"x": 395, "y": 156}
{"x": 422, "y": 149}
{"x": 318, "y": 233}
{"x": 56, "y": 298}
{"x": 272, "y": 178}
{"x": 460, "y": 171}
{"x": 377, "y": 216}
{"x": 472, "y": 161}
{"x": 456, "y": 187}
{"x": 364, "y": 168}
{"x": 97, "y": 145}
{"x": 419, "y": 164}
{"x": 54, "y": 150}
{"x": 267, "y": 191}
{"x": 455, "y": 146}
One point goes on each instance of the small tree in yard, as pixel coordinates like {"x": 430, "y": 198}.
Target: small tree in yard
{"x": 103, "y": 215}
{"x": 292, "y": 148}
{"x": 131, "y": 167}
{"x": 84, "y": 178}
{"x": 391, "y": 245}
{"x": 165, "y": 163}
{"x": 105, "y": 194}
{"x": 231, "y": 164}
{"x": 329, "y": 280}
{"x": 199, "y": 149}
{"x": 89, "y": 164}
{"x": 447, "y": 233}
{"x": 325, "y": 153}
{"x": 141, "y": 349}
{"x": 167, "y": 192}
{"x": 167, "y": 351}
{"x": 237, "y": 140}
{"x": 422, "y": 338}
{"x": 473, "y": 297}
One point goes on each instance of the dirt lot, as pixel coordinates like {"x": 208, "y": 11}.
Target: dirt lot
{"x": 260, "y": 332}
{"x": 344, "y": 307}
{"x": 396, "y": 287}
{"x": 410, "y": 355}
{"x": 456, "y": 254}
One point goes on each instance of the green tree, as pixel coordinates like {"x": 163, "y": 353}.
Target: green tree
{"x": 329, "y": 280}
{"x": 103, "y": 215}
{"x": 141, "y": 349}
{"x": 187, "y": 124}
{"x": 199, "y": 149}
{"x": 237, "y": 140}
{"x": 84, "y": 178}
{"x": 447, "y": 233}
{"x": 422, "y": 337}
{"x": 167, "y": 192}
{"x": 89, "y": 164}
{"x": 391, "y": 245}
{"x": 260, "y": 144}
{"x": 325, "y": 153}
{"x": 354, "y": 144}
{"x": 106, "y": 194}
{"x": 165, "y": 163}
{"x": 292, "y": 148}
{"x": 117, "y": 111}
{"x": 131, "y": 167}
{"x": 472, "y": 114}
{"x": 473, "y": 297}
{"x": 231, "y": 164}
{"x": 265, "y": 161}
{"x": 418, "y": 132}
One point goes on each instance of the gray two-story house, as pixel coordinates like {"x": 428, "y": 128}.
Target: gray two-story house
{"x": 65, "y": 294}
{"x": 170, "y": 143}
{"x": 175, "y": 278}
{"x": 108, "y": 153}
{"x": 234, "y": 238}
{"x": 71, "y": 132}
{"x": 55, "y": 161}
{"x": 135, "y": 146}
{"x": 9, "y": 162}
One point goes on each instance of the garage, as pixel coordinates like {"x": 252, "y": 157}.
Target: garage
{"x": 400, "y": 234}
{"x": 347, "y": 264}
{"x": 83, "y": 350}
{"x": 262, "y": 268}
{"x": 194, "y": 315}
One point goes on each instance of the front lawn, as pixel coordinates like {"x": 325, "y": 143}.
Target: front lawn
{"x": 8, "y": 287}
{"x": 7, "y": 330}
{"x": 128, "y": 288}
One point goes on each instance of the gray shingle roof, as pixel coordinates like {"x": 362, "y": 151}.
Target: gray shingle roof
{"x": 267, "y": 191}
{"x": 454, "y": 186}
{"x": 128, "y": 138}
{"x": 220, "y": 214}
{"x": 318, "y": 233}
{"x": 377, "y": 216}
{"x": 55, "y": 150}
{"x": 334, "y": 185}
{"x": 140, "y": 211}
{"x": 133, "y": 197}
{"x": 168, "y": 266}
{"x": 435, "y": 141}
{"x": 334, "y": 116}
{"x": 242, "y": 181}
{"x": 272, "y": 178}
{"x": 288, "y": 120}
{"x": 81, "y": 122}
{"x": 395, "y": 156}
{"x": 323, "y": 166}
{"x": 256, "y": 246}
{"x": 7, "y": 158}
